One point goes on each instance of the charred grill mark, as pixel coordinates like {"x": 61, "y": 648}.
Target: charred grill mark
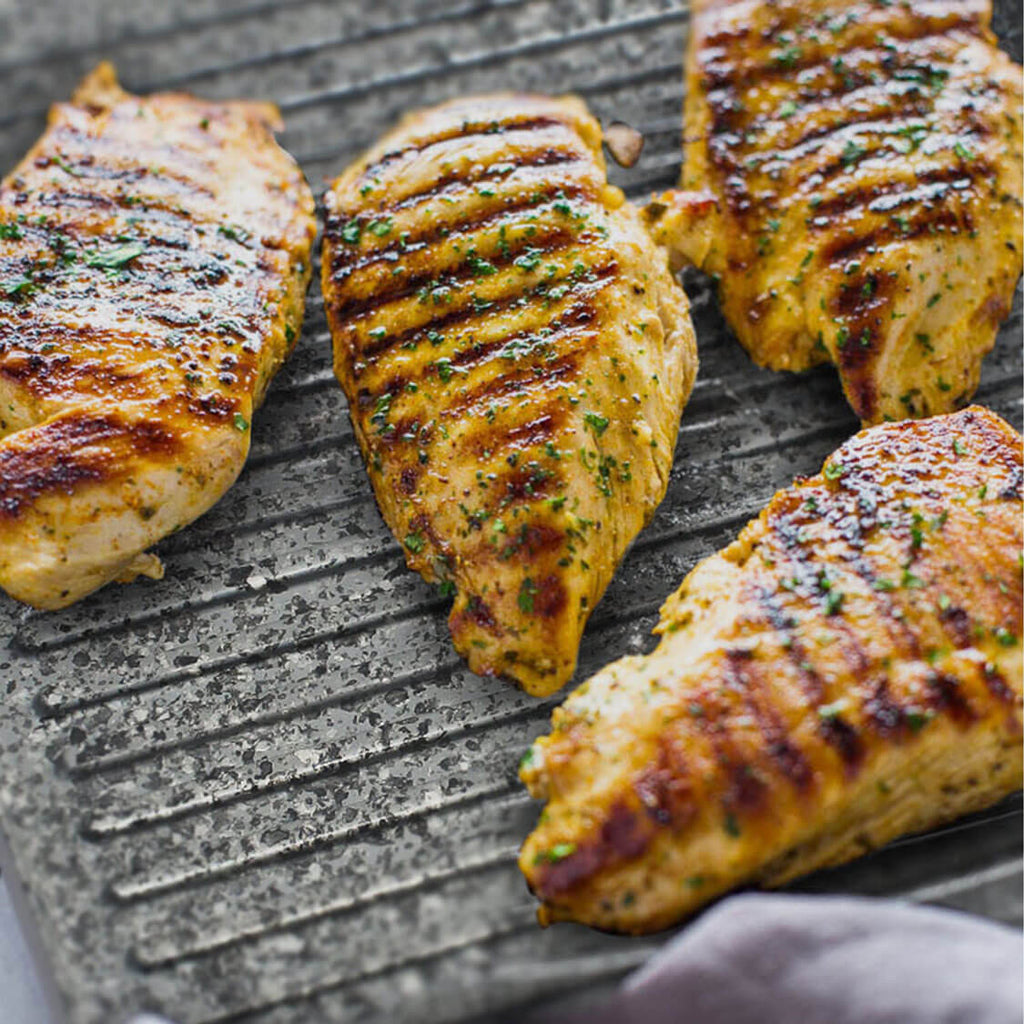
{"x": 664, "y": 788}
{"x": 550, "y": 156}
{"x": 75, "y": 450}
{"x": 519, "y": 436}
{"x": 521, "y": 377}
{"x": 882, "y": 713}
{"x": 394, "y": 290}
{"x": 782, "y": 753}
{"x": 577, "y": 314}
{"x": 550, "y": 598}
{"x": 464, "y": 131}
{"x": 46, "y": 375}
{"x": 947, "y": 698}
{"x": 840, "y": 248}
{"x": 929, "y": 185}
{"x": 624, "y": 835}
{"x": 843, "y": 737}
{"x": 346, "y": 260}
{"x": 996, "y": 684}
{"x": 810, "y": 681}
{"x": 212, "y": 406}
{"x": 743, "y": 790}
{"x": 833, "y": 729}
{"x": 731, "y": 70}
{"x": 475, "y": 613}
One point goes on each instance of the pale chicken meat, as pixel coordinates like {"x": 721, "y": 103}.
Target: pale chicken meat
{"x": 847, "y": 671}
{"x": 852, "y": 181}
{"x": 154, "y": 258}
{"x": 516, "y": 356}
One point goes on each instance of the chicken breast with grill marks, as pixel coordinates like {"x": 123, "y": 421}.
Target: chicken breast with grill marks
{"x": 848, "y": 670}
{"x": 516, "y": 356}
{"x": 853, "y": 182}
{"x": 154, "y": 257}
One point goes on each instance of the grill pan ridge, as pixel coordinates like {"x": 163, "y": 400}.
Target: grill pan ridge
{"x": 265, "y": 789}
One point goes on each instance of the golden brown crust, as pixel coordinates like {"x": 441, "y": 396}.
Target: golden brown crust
{"x": 847, "y": 670}
{"x": 516, "y": 356}
{"x": 853, "y": 182}
{"x": 154, "y": 254}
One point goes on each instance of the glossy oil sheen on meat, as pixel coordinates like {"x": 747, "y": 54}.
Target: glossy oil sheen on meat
{"x": 516, "y": 356}
{"x": 853, "y": 183}
{"x": 848, "y": 670}
{"x": 154, "y": 257}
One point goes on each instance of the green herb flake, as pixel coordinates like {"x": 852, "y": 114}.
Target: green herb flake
{"x": 241, "y": 423}
{"x": 556, "y": 853}
{"x": 414, "y": 542}
{"x": 834, "y": 470}
{"x": 527, "y": 591}
{"x": 597, "y": 423}
{"x": 117, "y": 258}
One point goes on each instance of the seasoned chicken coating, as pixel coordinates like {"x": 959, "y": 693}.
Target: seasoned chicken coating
{"x": 154, "y": 257}
{"x": 846, "y": 671}
{"x": 853, "y": 183}
{"x": 516, "y": 356}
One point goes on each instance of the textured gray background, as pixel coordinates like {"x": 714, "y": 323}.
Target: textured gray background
{"x": 265, "y": 789}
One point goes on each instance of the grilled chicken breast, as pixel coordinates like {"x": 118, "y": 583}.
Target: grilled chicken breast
{"x": 853, "y": 183}
{"x": 154, "y": 257}
{"x": 848, "y": 670}
{"x": 516, "y": 356}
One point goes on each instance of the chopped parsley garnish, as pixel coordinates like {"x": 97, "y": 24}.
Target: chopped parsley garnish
{"x": 597, "y": 423}
{"x": 235, "y": 233}
{"x": 352, "y": 232}
{"x": 18, "y": 286}
{"x": 557, "y": 852}
{"x": 481, "y": 267}
{"x": 527, "y": 590}
{"x": 414, "y": 542}
{"x": 852, "y": 152}
{"x": 834, "y": 470}
{"x": 241, "y": 423}
{"x": 117, "y": 258}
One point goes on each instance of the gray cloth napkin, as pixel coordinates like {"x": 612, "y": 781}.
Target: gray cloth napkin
{"x": 780, "y": 959}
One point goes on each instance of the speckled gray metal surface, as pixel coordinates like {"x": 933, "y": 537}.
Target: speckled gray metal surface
{"x": 265, "y": 789}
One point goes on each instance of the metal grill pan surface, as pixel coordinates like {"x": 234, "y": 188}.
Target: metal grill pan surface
{"x": 265, "y": 789}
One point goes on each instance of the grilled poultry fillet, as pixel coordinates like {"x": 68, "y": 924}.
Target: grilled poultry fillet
{"x": 516, "y": 356}
{"x": 846, "y": 671}
{"x": 154, "y": 257}
{"x": 853, "y": 183}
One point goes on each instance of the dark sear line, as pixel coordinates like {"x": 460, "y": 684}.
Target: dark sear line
{"x": 923, "y": 221}
{"x": 548, "y": 243}
{"x": 455, "y": 182}
{"x": 350, "y": 260}
{"x": 886, "y": 196}
{"x": 527, "y": 346}
{"x": 465, "y": 131}
{"x": 728, "y": 72}
{"x": 428, "y": 332}
{"x": 782, "y": 753}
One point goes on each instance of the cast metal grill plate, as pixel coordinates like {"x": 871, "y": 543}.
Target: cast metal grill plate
{"x": 265, "y": 789}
